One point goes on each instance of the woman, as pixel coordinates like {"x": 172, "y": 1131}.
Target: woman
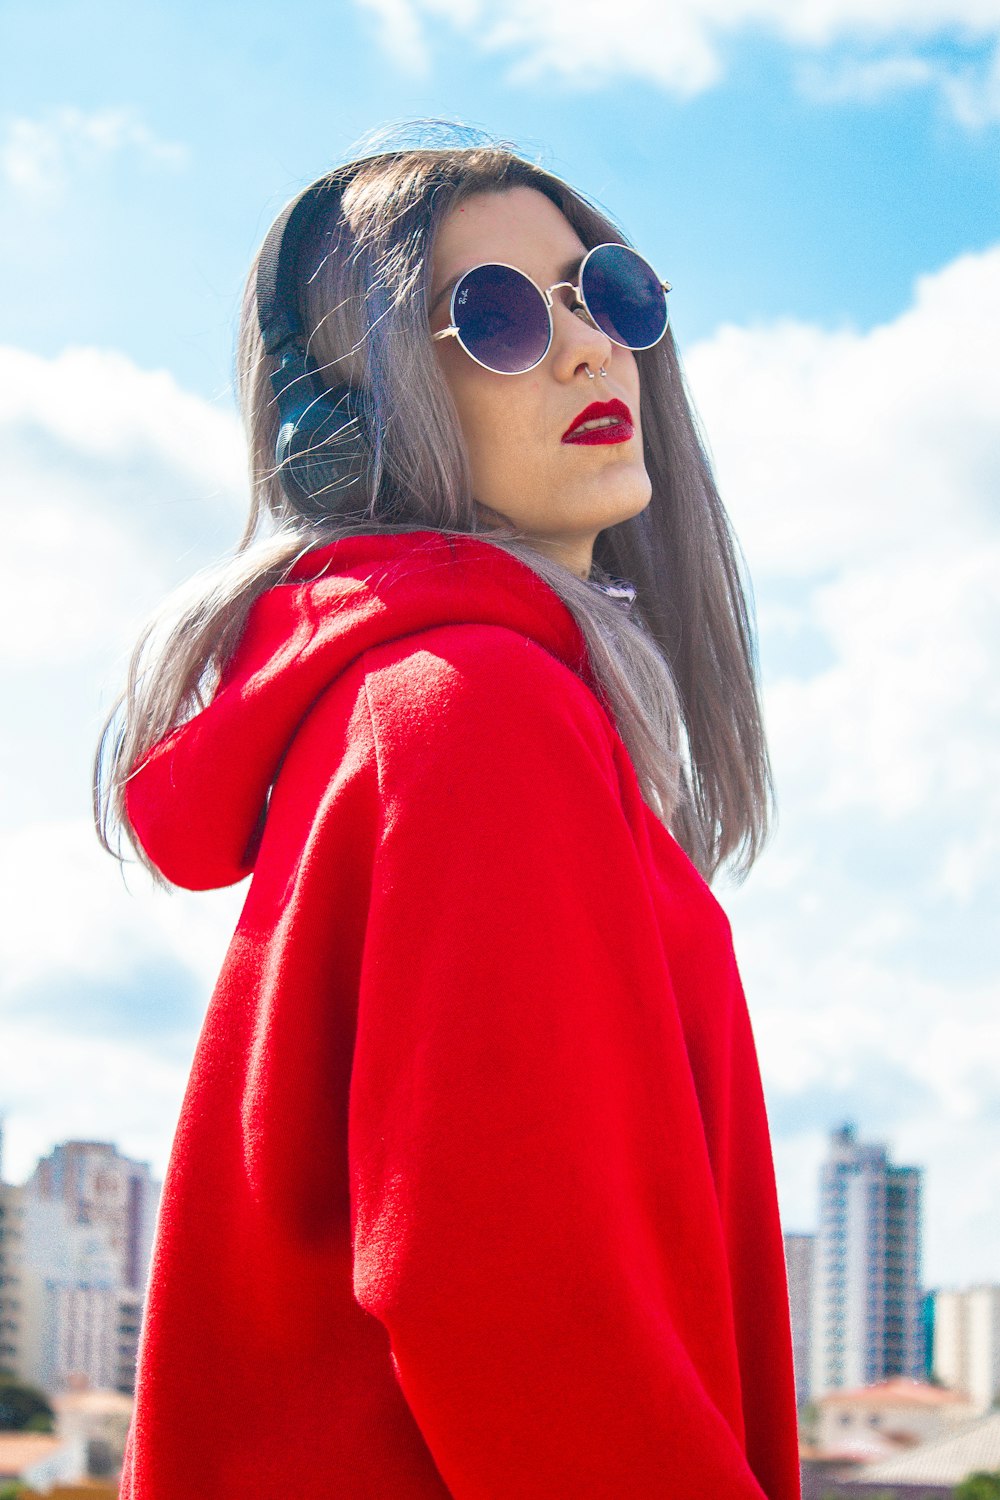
{"x": 471, "y": 1192}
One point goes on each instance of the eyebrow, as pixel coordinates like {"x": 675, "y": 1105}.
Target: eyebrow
{"x": 566, "y": 271}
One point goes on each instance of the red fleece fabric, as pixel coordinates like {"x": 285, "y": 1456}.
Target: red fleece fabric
{"x": 471, "y": 1192}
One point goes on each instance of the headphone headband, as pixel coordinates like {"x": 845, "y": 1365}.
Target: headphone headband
{"x": 323, "y": 440}
{"x": 326, "y": 435}
{"x": 277, "y": 268}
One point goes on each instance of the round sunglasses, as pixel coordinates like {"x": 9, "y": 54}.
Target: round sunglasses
{"x": 504, "y": 321}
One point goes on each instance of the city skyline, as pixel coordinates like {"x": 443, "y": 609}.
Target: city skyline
{"x": 824, "y": 202}
{"x": 75, "y": 1241}
{"x": 867, "y": 1277}
{"x": 75, "y": 1257}
{"x": 846, "y": 1131}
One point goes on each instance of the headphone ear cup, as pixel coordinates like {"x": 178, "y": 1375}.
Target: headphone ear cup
{"x": 324, "y": 439}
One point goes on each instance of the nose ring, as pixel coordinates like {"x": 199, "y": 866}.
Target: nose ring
{"x": 601, "y": 371}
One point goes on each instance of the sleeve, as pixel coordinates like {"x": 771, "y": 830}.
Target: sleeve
{"x": 534, "y": 1219}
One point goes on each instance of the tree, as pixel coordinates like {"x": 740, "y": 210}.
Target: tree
{"x": 980, "y": 1486}
{"x": 808, "y": 1420}
{"x": 23, "y": 1408}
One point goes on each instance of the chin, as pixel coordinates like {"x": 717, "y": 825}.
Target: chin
{"x": 583, "y": 509}
{"x": 621, "y": 502}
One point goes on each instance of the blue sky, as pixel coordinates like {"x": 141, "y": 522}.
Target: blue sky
{"x": 821, "y": 186}
{"x": 757, "y": 198}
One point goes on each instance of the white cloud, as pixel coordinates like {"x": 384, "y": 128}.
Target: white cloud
{"x": 104, "y": 983}
{"x": 841, "y": 447}
{"x": 679, "y": 44}
{"x": 970, "y": 91}
{"x": 39, "y": 156}
{"x": 974, "y": 93}
{"x": 111, "y": 921}
{"x": 863, "y": 78}
{"x": 861, "y": 471}
{"x": 400, "y": 34}
{"x": 113, "y": 484}
{"x": 100, "y": 402}
{"x": 70, "y": 1087}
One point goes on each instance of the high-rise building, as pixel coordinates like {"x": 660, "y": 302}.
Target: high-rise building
{"x": 800, "y": 1254}
{"x": 98, "y": 1186}
{"x": 11, "y": 1274}
{"x": 86, "y": 1222}
{"x": 866, "y": 1323}
{"x": 69, "y": 1289}
{"x": 967, "y": 1342}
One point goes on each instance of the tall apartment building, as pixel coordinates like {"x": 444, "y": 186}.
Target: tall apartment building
{"x": 78, "y": 1266}
{"x": 866, "y": 1324}
{"x": 966, "y": 1346}
{"x": 98, "y": 1186}
{"x": 11, "y": 1272}
{"x": 69, "y": 1289}
{"x": 800, "y": 1255}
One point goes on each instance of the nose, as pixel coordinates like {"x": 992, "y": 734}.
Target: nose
{"x": 576, "y": 341}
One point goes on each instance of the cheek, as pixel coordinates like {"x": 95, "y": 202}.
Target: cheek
{"x": 498, "y": 416}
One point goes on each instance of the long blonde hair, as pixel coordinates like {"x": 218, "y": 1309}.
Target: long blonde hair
{"x": 679, "y": 672}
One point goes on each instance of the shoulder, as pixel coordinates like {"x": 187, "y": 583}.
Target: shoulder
{"x": 486, "y": 691}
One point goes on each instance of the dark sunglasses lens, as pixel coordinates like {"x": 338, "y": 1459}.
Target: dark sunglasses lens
{"x": 501, "y": 318}
{"x": 624, "y": 297}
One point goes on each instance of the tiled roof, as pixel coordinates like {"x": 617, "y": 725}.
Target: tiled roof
{"x": 945, "y": 1460}
{"x": 898, "y": 1392}
{"x": 96, "y": 1401}
{"x": 18, "y": 1449}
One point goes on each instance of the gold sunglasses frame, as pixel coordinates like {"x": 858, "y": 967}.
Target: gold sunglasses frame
{"x": 453, "y": 331}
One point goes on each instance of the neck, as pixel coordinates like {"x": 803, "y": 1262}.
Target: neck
{"x": 576, "y": 555}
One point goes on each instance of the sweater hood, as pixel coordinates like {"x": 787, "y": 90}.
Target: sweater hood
{"x": 197, "y": 800}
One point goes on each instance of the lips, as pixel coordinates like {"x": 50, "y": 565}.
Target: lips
{"x": 613, "y": 419}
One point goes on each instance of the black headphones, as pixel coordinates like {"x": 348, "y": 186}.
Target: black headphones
{"x": 325, "y": 434}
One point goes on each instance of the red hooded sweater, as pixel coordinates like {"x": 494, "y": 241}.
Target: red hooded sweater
{"x": 471, "y": 1192}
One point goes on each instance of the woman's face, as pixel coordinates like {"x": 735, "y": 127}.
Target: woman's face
{"x": 560, "y": 493}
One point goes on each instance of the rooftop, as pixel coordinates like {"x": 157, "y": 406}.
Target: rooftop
{"x": 946, "y": 1460}
{"x": 19, "y": 1449}
{"x": 900, "y": 1391}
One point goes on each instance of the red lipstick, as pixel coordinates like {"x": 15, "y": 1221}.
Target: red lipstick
{"x": 614, "y": 424}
